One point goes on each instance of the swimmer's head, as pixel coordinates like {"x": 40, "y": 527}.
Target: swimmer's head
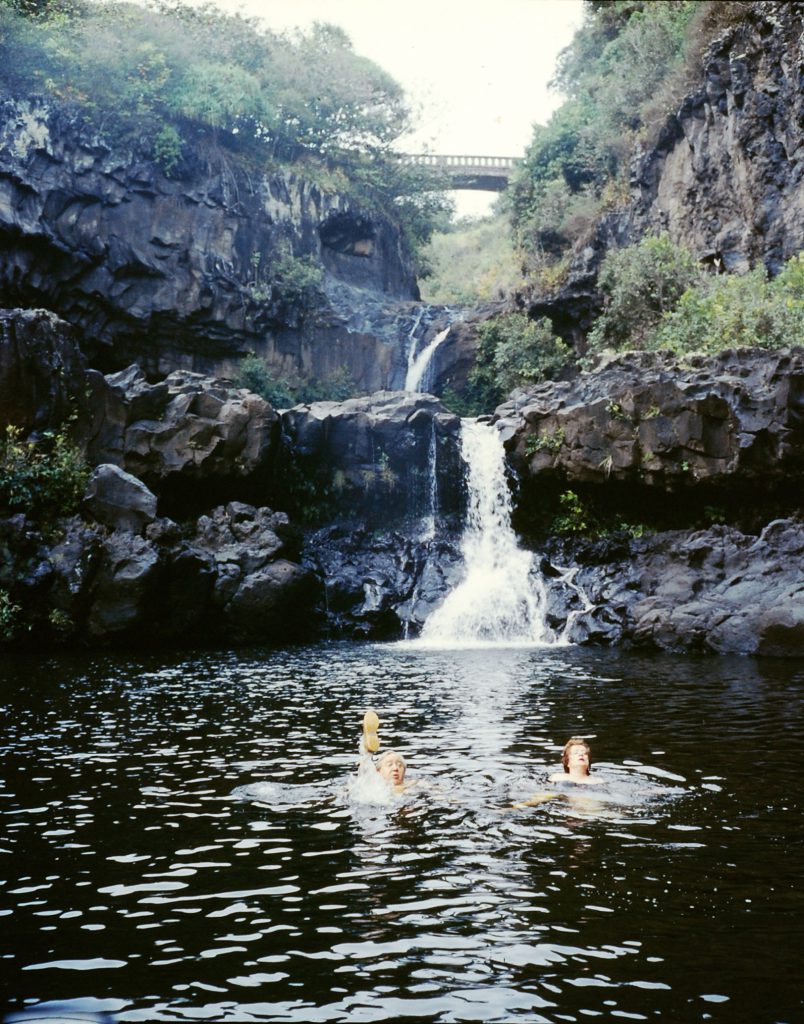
{"x": 577, "y": 754}
{"x": 391, "y": 767}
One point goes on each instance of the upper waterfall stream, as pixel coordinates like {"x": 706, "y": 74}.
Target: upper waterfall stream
{"x": 501, "y": 599}
{"x": 420, "y": 366}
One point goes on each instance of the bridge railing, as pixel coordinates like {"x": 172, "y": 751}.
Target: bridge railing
{"x": 460, "y": 162}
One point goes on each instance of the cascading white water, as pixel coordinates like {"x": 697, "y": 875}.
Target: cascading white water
{"x": 418, "y": 366}
{"x": 413, "y": 334}
{"x": 501, "y": 598}
{"x": 429, "y": 518}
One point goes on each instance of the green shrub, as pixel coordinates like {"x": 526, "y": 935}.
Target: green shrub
{"x": 257, "y": 377}
{"x": 545, "y": 443}
{"x": 45, "y": 478}
{"x": 640, "y": 283}
{"x": 513, "y": 351}
{"x": 732, "y": 311}
{"x": 463, "y": 403}
{"x": 336, "y": 387}
{"x": 298, "y": 280}
{"x": 11, "y": 622}
{"x": 623, "y": 73}
{"x": 471, "y": 263}
{"x": 167, "y": 149}
{"x": 573, "y": 518}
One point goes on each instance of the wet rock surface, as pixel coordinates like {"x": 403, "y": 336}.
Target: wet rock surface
{"x": 236, "y": 579}
{"x": 119, "y": 500}
{"x": 42, "y": 371}
{"x": 385, "y": 457}
{"x": 714, "y": 590}
{"x": 383, "y": 584}
{"x": 722, "y": 427}
{"x": 242, "y": 572}
{"x": 180, "y": 272}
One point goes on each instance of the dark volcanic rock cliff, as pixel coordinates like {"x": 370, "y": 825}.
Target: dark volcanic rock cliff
{"x": 650, "y": 431}
{"x": 180, "y": 272}
{"x": 726, "y": 175}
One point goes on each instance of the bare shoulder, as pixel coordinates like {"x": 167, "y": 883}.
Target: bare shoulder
{"x": 558, "y": 777}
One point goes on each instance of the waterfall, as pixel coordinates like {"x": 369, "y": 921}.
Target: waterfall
{"x": 501, "y": 598}
{"x": 429, "y": 519}
{"x": 417, "y": 378}
{"x": 413, "y": 339}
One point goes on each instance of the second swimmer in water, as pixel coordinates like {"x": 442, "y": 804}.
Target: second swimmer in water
{"x": 577, "y": 760}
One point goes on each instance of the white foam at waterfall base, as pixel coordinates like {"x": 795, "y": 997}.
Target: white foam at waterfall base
{"x": 501, "y": 599}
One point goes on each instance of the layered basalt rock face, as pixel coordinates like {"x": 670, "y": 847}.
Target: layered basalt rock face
{"x": 646, "y": 443}
{"x": 194, "y": 440}
{"x": 657, "y": 432}
{"x": 181, "y": 272}
{"x": 168, "y": 550}
{"x": 381, "y": 459}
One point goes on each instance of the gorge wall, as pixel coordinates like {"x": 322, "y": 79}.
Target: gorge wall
{"x": 181, "y": 272}
{"x": 725, "y": 174}
{"x": 210, "y": 516}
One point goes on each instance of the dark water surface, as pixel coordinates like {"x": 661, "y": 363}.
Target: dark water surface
{"x": 137, "y": 882}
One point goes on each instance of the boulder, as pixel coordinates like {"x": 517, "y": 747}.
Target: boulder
{"x": 42, "y": 370}
{"x": 123, "y": 588}
{"x": 716, "y": 590}
{"x": 381, "y": 584}
{"x": 119, "y": 500}
{"x": 382, "y": 458}
{"x": 260, "y": 592}
{"x": 727, "y": 425}
{"x": 190, "y": 438}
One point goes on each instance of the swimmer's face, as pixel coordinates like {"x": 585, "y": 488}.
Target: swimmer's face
{"x": 392, "y": 768}
{"x": 578, "y": 758}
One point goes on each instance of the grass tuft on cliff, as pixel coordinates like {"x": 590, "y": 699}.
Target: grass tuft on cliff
{"x": 657, "y": 297}
{"x": 472, "y": 262}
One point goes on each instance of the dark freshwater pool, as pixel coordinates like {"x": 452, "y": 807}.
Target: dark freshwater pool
{"x": 140, "y": 881}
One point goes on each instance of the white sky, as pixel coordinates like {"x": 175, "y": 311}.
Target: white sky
{"x": 475, "y": 74}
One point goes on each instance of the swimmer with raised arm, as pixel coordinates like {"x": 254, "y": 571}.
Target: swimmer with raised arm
{"x": 392, "y": 768}
{"x": 577, "y": 761}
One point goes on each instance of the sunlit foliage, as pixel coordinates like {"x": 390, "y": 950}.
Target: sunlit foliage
{"x": 44, "y": 477}
{"x": 513, "y": 351}
{"x": 472, "y": 262}
{"x": 640, "y": 283}
{"x": 734, "y": 311}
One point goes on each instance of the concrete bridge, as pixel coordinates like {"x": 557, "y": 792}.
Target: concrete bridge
{"x": 484, "y": 173}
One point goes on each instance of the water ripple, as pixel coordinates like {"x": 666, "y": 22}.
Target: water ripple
{"x": 182, "y": 840}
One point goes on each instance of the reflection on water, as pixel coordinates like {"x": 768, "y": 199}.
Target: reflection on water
{"x": 180, "y": 840}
